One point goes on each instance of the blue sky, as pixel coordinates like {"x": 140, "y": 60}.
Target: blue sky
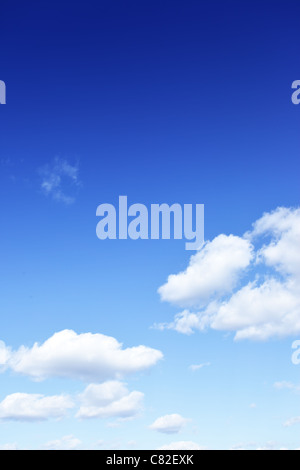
{"x": 163, "y": 102}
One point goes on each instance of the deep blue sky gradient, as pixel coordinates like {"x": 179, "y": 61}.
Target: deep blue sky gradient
{"x": 165, "y": 101}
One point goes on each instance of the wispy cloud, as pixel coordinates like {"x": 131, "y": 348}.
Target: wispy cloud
{"x": 292, "y": 422}
{"x": 287, "y": 386}
{"x": 59, "y": 180}
{"x": 195, "y": 367}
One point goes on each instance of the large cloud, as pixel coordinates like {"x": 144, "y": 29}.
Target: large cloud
{"x": 86, "y": 356}
{"x": 264, "y": 307}
{"x": 34, "y": 407}
{"x": 110, "y": 399}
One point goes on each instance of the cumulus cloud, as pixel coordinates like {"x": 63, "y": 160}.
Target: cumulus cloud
{"x": 110, "y": 399}
{"x": 283, "y": 225}
{"x": 217, "y": 281}
{"x": 58, "y": 179}
{"x": 86, "y": 356}
{"x": 34, "y": 407}
{"x": 169, "y": 424}
{"x": 182, "y": 445}
{"x": 65, "y": 443}
{"x": 213, "y": 271}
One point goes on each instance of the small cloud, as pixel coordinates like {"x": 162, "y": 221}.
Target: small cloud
{"x": 12, "y": 446}
{"x": 292, "y": 422}
{"x": 182, "y": 445}
{"x": 59, "y": 179}
{"x": 255, "y": 446}
{"x": 195, "y": 367}
{"x": 287, "y": 386}
{"x": 109, "y": 399}
{"x": 65, "y": 443}
{"x": 109, "y": 445}
{"x": 169, "y": 424}
{"x": 253, "y": 406}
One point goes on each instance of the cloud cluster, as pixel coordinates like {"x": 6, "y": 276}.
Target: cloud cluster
{"x": 86, "y": 356}
{"x": 110, "y": 399}
{"x": 217, "y": 291}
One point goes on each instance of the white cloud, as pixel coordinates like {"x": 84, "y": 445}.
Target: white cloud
{"x": 182, "y": 445}
{"x": 59, "y": 177}
{"x": 86, "y": 356}
{"x": 260, "y": 312}
{"x": 66, "y": 443}
{"x": 184, "y": 322}
{"x": 268, "y": 306}
{"x": 110, "y": 399}
{"x": 213, "y": 271}
{"x": 34, "y": 407}
{"x": 169, "y": 424}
